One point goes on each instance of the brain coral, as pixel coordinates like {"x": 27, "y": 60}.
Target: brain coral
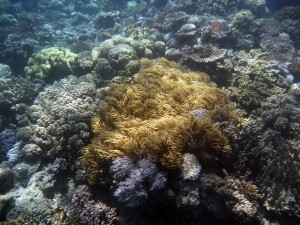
{"x": 154, "y": 115}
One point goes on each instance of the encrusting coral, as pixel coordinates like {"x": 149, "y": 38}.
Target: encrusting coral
{"x": 155, "y": 116}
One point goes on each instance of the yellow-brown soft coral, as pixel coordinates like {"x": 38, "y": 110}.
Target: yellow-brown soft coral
{"x": 152, "y": 116}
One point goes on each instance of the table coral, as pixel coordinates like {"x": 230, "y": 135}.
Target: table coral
{"x": 151, "y": 116}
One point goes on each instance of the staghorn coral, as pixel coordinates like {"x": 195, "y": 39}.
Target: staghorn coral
{"x": 152, "y": 117}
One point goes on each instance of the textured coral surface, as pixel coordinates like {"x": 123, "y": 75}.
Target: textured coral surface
{"x": 152, "y": 116}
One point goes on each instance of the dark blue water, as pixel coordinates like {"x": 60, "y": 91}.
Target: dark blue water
{"x": 274, "y": 5}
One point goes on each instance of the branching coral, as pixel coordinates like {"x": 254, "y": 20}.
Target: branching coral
{"x": 271, "y": 142}
{"x": 152, "y": 117}
{"x": 88, "y": 209}
{"x": 230, "y": 196}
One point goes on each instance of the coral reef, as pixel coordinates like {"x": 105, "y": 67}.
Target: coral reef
{"x": 31, "y": 153}
{"x": 280, "y": 44}
{"x": 218, "y": 7}
{"x": 119, "y": 56}
{"x": 291, "y": 12}
{"x": 163, "y": 142}
{"x": 14, "y": 154}
{"x": 269, "y": 153}
{"x": 243, "y": 37}
{"x": 4, "y": 6}
{"x": 7, "y": 20}
{"x": 106, "y": 20}
{"x": 7, "y": 140}
{"x": 88, "y": 209}
{"x": 6, "y": 178}
{"x": 204, "y": 55}
{"x": 177, "y": 5}
{"x": 190, "y": 167}
{"x": 173, "y": 20}
{"x": 16, "y": 50}
{"x": 257, "y": 7}
{"x": 255, "y": 78}
{"x": 229, "y": 7}
{"x": 294, "y": 68}
{"x": 288, "y": 18}
{"x": 15, "y": 93}
{"x": 50, "y": 64}
{"x": 219, "y": 28}
{"x": 5, "y": 71}
{"x": 17, "y": 90}
{"x": 136, "y": 7}
{"x": 230, "y": 196}
{"x": 83, "y": 64}
{"x": 157, "y": 105}
{"x": 31, "y": 206}
{"x": 136, "y": 180}
{"x": 58, "y": 119}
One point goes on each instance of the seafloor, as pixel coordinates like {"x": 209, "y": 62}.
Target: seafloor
{"x": 150, "y": 112}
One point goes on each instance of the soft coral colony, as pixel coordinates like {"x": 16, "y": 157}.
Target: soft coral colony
{"x": 163, "y": 113}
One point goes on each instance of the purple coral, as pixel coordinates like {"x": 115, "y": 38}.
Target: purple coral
{"x": 87, "y": 210}
{"x": 121, "y": 167}
{"x": 136, "y": 180}
{"x": 199, "y": 113}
